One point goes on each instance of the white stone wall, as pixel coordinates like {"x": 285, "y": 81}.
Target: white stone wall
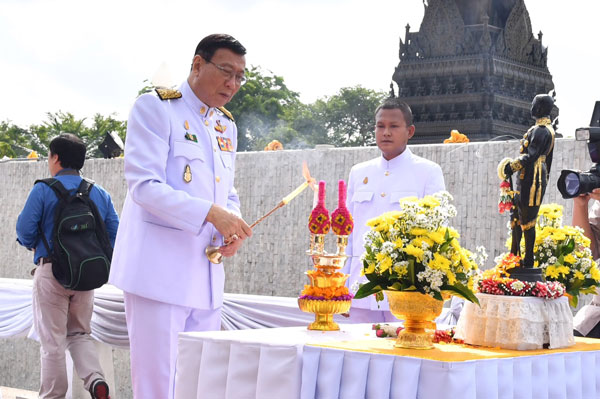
{"x": 274, "y": 260}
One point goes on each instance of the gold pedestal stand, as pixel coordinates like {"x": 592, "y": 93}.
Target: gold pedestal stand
{"x": 418, "y": 312}
{"x": 328, "y": 265}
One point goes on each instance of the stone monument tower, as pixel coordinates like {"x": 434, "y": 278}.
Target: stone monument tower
{"x": 474, "y": 66}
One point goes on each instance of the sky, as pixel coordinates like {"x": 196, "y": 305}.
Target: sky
{"x": 87, "y": 57}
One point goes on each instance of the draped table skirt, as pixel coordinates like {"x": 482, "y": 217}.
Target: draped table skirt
{"x": 517, "y": 322}
{"x": 352, "y": 363}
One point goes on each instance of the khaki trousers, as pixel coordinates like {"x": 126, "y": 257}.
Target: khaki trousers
{"x": 62, "y": 321}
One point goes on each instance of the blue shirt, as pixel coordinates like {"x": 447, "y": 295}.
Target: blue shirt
{"x": 40, "y": 206}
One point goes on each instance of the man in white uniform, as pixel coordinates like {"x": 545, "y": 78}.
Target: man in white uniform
{"x": 376, "y": 186}
{"x": 179, "y": 168}
{"x": 587, "y": 320}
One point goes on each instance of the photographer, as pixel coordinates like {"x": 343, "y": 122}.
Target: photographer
{"x": 587, "y": 320}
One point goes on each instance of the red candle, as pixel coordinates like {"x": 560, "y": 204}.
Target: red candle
{"x": 318, "y": 222}
{"x": 342, "y": 223}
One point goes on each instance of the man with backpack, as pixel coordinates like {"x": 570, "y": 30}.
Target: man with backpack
{"x": 71, "y": 225}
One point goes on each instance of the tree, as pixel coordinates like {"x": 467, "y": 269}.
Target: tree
{"x": 18, "y": 142}
{"x": 349, "y": 116}
{"x": 259, "y": 108}
{"x": 14, "y": 141}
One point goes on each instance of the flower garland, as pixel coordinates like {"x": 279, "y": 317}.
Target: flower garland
{"x": 506, "y": 197}
{"x": 513, "y": 287}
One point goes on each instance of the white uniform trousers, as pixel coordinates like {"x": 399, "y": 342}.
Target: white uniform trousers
{"x": 153, "y": 328}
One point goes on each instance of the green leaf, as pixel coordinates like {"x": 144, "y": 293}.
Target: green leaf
{"x": 573, "y": 301}
{"x": 370, "y": 288}
{"x": 461, "y": 291}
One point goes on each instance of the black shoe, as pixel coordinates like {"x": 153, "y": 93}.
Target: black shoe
{"x": 99, "y": 389}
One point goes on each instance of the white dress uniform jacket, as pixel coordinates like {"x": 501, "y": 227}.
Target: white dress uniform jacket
{"x": 589, "y": 315}
{"x": 159, "y": 249}
{"x": 375, "y": 187}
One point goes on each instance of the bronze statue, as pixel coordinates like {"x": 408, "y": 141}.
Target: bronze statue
{"x": 532, "y": 169}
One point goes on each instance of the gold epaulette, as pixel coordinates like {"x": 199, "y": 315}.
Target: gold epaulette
{"x": 226, "y": 113}
{"x": 167, "y": 94}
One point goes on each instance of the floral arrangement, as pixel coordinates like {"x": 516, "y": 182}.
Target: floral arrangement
{"x": 456, "y": 137}
{"x": 445, "y": 336}
{"x": 563, "y": 253}
{"x": 328, "y": 293}
{"x": 414, "y": 249}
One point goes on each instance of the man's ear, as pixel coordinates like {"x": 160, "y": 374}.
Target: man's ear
{"x": 411, "y": 131}
{"x": 197, "y": 63}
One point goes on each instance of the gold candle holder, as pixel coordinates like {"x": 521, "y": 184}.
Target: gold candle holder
{"x": 342, "y": 243}
{"x": 317, "y": 244}
{"x": 327, "y": 276}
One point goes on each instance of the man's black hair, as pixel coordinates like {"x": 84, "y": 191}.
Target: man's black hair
{"x": 211, "y": 43}
{"x": 70, "y": 150}
{"x": 396, "y": 103}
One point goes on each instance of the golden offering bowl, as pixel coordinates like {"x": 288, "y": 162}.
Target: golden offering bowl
{"x": 328, "y": 261}
{"x": 213, "y": 254}
{"x": 324, "y": 311}
{"x": 418, "y": 312}
{"x": 328, "y": 280}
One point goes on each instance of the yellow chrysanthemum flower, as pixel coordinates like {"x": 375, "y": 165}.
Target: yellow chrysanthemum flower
{"x": 414, "y": 251}
{"x": 419, "y": 232}
{"x": 401, "y": 270}
{"x": 370, "y": 269}
{"x": 385, "y": 264}
{"x": 439, "y": 262}
{"x": 437, "y": 236}
{"x": 564, "y": 270}
{"x": 570, "y": 259}
{"x": 552, "y": 272}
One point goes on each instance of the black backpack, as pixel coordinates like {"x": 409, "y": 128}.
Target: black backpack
{"x": 82, "y": 249}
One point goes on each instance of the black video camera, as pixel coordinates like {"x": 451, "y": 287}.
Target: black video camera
{"x": 572, "y": 183}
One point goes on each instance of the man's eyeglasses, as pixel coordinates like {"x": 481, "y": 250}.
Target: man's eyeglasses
{"x": 229, "y": 73}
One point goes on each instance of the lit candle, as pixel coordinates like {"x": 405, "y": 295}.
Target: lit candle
{"x": 294, "y": 193}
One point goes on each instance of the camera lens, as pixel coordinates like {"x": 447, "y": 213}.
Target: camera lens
{"x": 572, "y": 184}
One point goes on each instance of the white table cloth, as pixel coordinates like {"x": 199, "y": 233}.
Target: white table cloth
{"x": 517, "y": 322}
{"x": 278, "y": 363}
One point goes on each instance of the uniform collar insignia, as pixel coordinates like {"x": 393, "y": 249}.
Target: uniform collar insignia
{"x": 167, "y": 94}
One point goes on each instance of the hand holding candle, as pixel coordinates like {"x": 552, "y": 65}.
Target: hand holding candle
{"x": 309, "y": 181}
